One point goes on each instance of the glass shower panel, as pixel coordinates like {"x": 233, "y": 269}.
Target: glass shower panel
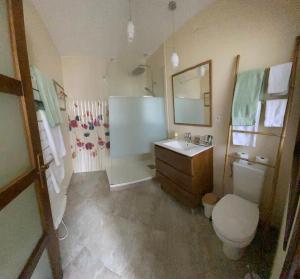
{"x": 6, "y": 57}
{"x": 14, "y": 155}
{"x": 20, "y": 231}
{"x": 135, "y": 123}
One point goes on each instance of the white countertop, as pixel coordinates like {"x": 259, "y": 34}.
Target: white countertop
{"x": 181, "y": 147}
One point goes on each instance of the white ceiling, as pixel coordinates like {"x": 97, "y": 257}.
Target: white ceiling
{"x": 98, "y": 27}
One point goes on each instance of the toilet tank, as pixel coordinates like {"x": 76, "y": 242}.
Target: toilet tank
{"x": 248, "y": 180}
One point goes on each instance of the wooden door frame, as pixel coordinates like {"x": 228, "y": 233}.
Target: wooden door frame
{"x": 292, "y": 230}
{"x": 22, "y": 87}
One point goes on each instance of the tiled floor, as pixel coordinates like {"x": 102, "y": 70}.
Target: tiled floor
{"x": 142, "y": 233}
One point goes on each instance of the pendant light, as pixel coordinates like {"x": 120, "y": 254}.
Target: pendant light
{"x": 130, "y": 25}
{"x": 174, "y": 55}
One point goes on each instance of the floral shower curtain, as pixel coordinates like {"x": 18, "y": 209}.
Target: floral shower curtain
{"x": 89, "y": 135}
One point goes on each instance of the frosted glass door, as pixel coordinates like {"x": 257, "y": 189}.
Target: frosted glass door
{"x": 135, "y": 123}
{"x": 20, "y": 231}
{"x": 24, "y": 202}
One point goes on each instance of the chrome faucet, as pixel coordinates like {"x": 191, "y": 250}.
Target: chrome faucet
{"x": 188, "y": 138}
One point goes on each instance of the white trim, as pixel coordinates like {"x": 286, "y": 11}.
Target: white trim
{"x": 126, "y": 185}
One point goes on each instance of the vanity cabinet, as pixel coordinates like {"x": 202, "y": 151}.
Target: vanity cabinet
{"x": 186, "y": 178}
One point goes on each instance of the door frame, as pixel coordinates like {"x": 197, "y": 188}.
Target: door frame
{"x": 21, "y": 86}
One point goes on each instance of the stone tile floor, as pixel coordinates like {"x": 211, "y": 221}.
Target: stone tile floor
{"x": 142, "y": 233}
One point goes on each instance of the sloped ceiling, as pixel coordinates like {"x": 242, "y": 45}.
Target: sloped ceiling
{"x": 98, "y": 27}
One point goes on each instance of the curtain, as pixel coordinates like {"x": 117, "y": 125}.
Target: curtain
{"x": 89, "y": 135}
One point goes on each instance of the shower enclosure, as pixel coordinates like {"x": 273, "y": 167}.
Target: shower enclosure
{"x": 135, "y": 123}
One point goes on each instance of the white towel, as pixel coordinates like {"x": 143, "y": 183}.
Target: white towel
{"x": 57, "y": 150}
{"x": 275, "y": 111}
{"x": 57, "y": 174}
{"x": 55, "y": 139}
{"x": 279, "y": 78}
{"x": 247, "y": 139}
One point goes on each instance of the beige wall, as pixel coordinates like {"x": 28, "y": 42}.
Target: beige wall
{"x": 43, "y": 54}
{"x": 83, "y": 78}
{"x": 223, "y": 30}
{"x": 157, "y": 65}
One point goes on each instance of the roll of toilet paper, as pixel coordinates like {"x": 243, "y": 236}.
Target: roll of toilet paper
{"x": 262, "y": 159}
{"x": 243, "y": 155}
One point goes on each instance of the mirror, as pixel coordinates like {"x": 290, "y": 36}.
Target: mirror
{"x": 192, "y": 96}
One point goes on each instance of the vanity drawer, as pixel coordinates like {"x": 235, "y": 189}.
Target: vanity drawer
{"x": 192, "y": 184}
{"x": 185, "y": 181}
{"x": 178, "y": 161}
{"x": 186, "y": 198}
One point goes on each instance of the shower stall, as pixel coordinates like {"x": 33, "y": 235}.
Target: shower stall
{"x": 135, "y": 123}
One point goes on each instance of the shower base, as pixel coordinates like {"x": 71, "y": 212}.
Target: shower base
{"x": 124, "y": 174}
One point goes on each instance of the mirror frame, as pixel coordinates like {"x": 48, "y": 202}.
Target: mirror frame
{"x": 209, "y": 62}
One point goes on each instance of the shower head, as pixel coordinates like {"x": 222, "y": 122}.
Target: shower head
{"x": 149, "y": 91}
{"x": 140, "y": 69}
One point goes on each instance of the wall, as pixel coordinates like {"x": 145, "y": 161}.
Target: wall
{"x": 157, "y": 66}
{"x": 92, "y": 78}
{"x": 223, "y": 30}
{"x": 43, "y": 54}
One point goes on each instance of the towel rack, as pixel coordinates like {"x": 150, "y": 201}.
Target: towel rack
{"x": 282, "y": 135}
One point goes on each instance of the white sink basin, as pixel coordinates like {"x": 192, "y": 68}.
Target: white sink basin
{"x": 182, "y": 147}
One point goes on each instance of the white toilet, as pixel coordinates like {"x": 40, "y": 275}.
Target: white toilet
{"x": 235, "y": 217}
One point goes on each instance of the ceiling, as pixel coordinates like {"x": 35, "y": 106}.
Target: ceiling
{"x": 98, "y": 27}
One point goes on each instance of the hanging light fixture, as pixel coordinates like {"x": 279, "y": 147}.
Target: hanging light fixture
{"x": 130, "y": 25}
{"x": 174, "y": 55}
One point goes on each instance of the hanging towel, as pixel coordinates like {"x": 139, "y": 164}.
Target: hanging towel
{"x": 279, "y": 78}
{"x": 48, "y": 96}
{"x": 57, "y": 174}
{"x": 55, "y": 139}
{"x": 247, "y": 139}
{"x": 275, "y": 111}
{"x": 248, "y": 90}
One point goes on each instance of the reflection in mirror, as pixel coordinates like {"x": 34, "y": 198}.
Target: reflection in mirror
{"x": 192, "y": 95}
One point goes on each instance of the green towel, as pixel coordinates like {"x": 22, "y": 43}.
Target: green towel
{"x": 248, "y": 91}
{"x": 48, "y": 96}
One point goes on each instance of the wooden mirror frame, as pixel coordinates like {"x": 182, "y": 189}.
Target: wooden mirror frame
{"x": 209, "y": 62}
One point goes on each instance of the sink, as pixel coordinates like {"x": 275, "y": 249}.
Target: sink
{"x": 182, "y": 147}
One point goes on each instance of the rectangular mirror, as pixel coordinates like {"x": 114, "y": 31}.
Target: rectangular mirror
{"x": 192, "y": 95}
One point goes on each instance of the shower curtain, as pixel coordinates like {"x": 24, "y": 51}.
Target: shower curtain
{"x": 89, "y": 135}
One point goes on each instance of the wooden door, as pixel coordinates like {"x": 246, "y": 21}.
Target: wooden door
{"x": 28, "y": 244}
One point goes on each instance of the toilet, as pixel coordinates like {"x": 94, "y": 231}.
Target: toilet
{"x": 235, "y": 217}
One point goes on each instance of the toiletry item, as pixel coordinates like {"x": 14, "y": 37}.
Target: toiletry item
{"x": 248, "y": 90}
{"x": 205, "y": 140}
{"x": 262, "y": 159}
{"x": 197, "y": 139}
{"x": 275, "y": 111}
{"x": 279, "y": 78}
{"x": 243, "y": 155}
{"x": 175, "y": 135}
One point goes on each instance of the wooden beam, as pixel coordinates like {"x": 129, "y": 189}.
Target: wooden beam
{"x": 236, "y": 71}
{"x": 13, "y": 189}
{"x": 251, "y": 161}
{"x": 10, "y": 86}
{"x": 256, "y": 133}
{"x": 34, "y": 258}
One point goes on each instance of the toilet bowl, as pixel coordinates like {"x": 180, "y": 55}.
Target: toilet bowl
{"x": 235, "y": 221}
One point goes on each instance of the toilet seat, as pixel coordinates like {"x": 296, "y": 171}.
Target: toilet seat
{"x": 235, "y": 220}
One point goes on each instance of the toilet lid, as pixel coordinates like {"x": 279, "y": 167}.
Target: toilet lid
{"x": 235, "y": 218}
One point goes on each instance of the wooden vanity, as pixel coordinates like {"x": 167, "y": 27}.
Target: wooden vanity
{"x": 186, "y": 178}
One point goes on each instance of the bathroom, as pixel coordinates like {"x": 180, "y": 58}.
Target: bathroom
{"x": 134, "y": 139}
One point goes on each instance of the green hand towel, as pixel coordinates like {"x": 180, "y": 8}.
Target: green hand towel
{"x": 248, "y": 91}
{"x": 48, "y": 96}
